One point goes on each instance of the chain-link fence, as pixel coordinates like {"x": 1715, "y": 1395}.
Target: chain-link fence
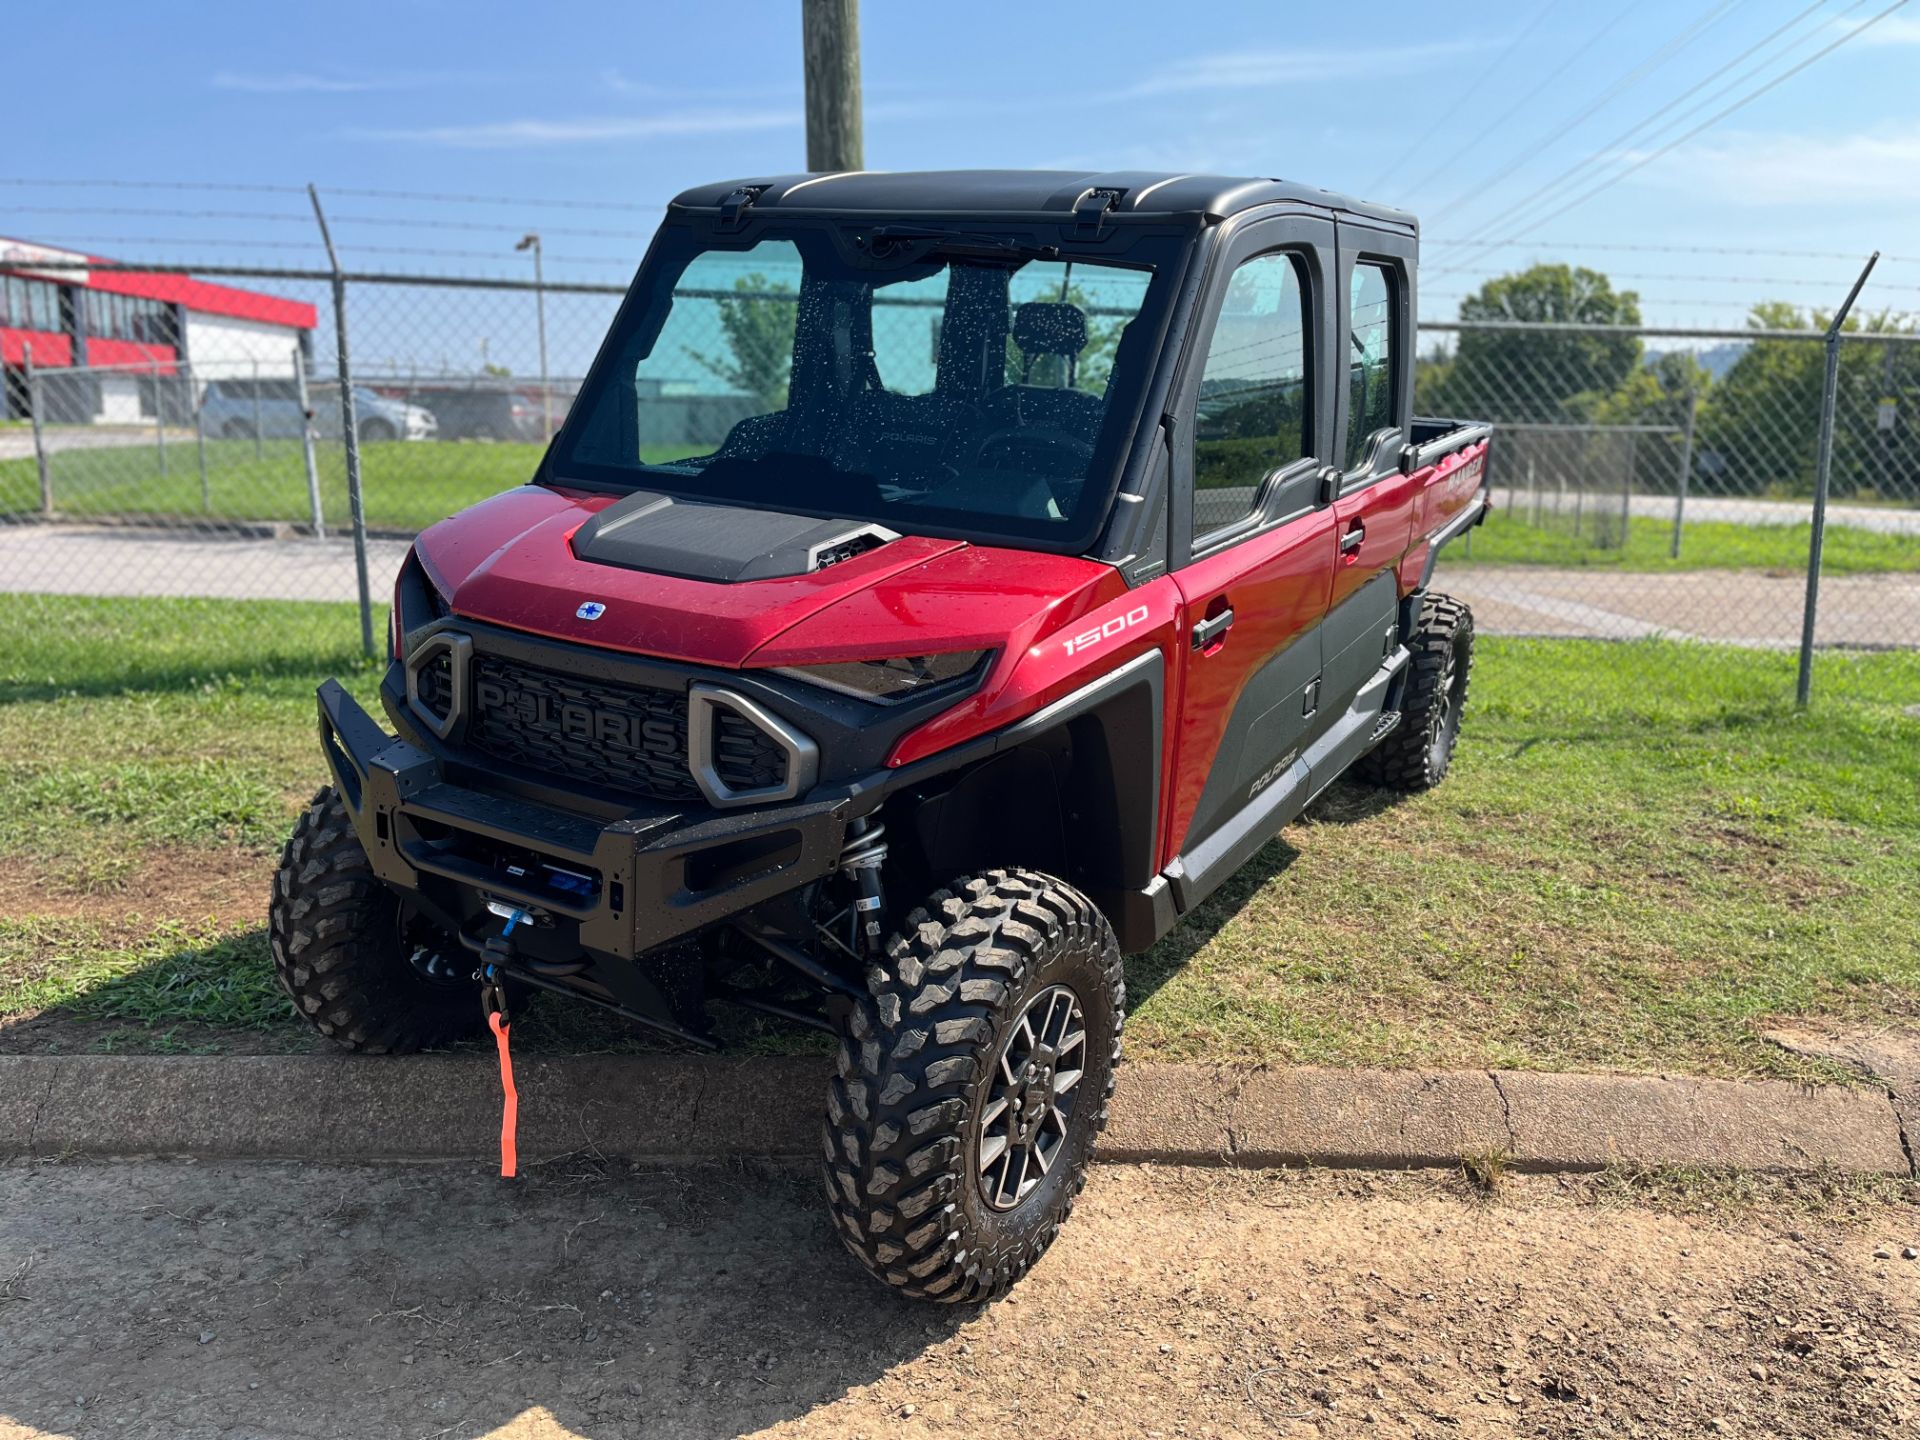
{"x": 1661, "y": 484}
{"x": 1647, "y": 483}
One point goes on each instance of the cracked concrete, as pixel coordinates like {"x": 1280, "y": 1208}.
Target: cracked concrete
{"x": 337, "y": 1108}
{"x": 1890, "y": 1054}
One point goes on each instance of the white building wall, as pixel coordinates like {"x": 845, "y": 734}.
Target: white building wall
{"x": 119, "y": 400}
{"x": 220, "y": 347}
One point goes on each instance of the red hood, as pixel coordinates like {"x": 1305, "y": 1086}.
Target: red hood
{"x": 510, "y": 561}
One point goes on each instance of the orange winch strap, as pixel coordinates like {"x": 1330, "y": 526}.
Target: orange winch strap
{"x": 510, "y": 1108}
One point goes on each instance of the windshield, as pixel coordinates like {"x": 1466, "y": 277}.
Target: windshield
{"x": 926, "y": 380}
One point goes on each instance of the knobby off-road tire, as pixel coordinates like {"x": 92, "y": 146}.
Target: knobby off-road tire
{"x": 1415, "y": 756}
{"x": 912, "y": 1110}
{"x": 338, "y": 947}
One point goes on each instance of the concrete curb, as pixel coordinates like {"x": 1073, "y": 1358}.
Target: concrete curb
{"x": 337, "y": 1108}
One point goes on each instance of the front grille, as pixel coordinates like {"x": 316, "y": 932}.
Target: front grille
{"x": 628, "y": 738}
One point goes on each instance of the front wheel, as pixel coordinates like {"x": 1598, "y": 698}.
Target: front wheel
{"x": 353, "y": 968}
{"x": 373, "y": 431}
{"x": 970, "y": 1087}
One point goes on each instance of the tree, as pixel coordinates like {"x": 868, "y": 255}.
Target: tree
{"x": 758, "y": 325}
{"x": 1761, "y": 428}
{"x": 1538, "y": 377}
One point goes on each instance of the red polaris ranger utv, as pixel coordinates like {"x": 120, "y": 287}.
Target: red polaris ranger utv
{"x": 942, "y": 583}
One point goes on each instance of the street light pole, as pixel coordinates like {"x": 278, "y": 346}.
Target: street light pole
{"x": 532, "y": 242}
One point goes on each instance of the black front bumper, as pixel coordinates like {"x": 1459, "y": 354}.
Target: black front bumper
{"x": 614, "y": 889}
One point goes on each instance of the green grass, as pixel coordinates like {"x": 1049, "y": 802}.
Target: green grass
{"x": 1643, "y": 855}
{"x": 1507, "y": 539}
{"x": 407, "y": 485}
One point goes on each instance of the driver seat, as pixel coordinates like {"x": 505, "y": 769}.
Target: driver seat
{"x": 1051, "y": 327}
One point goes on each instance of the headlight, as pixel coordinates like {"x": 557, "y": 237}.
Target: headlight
{"x": 887, "y": 682}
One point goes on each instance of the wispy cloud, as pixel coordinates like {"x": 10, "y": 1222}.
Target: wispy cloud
{"x": 1894, "y": 30}
{"x": 1268, "y": 69}
{"x": 509, "y": 134}
{"x": 292, "y": 82}
{"x": 1790, "y": 169}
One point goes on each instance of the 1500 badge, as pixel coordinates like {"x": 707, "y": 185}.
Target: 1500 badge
{"x": 1113, "y": 627}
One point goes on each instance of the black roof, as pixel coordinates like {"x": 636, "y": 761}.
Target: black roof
{"x": 1026, "y": 192}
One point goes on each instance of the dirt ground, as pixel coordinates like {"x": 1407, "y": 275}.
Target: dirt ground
{"x": 181, "y": 1300}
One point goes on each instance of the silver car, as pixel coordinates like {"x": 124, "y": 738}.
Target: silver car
{"x": 270, "y": 409}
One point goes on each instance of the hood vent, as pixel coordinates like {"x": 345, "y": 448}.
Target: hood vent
{"x": 833, "y": 552}
{"x": 726, "y": 544}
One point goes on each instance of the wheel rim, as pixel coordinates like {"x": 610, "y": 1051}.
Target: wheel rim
{"x": 1446, "y": 706}
{"x": 1028, "y": 1110}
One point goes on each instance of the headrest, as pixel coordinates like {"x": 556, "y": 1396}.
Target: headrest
{"x": 1048, "y": 327}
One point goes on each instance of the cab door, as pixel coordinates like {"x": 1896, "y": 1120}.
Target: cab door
{"x": 1374, "y": 512}
{"x": 1253, "y": 544}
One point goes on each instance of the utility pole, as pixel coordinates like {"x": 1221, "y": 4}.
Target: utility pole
{"x": 830, "y": 38}
{"x": 532, "y": 242}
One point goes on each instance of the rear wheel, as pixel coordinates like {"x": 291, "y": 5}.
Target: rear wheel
{"x": 971, "y": 1086}
{"x": 359, "y": 973}
{"x": 1417, "y": 753}
{"x": 236, "y": 430}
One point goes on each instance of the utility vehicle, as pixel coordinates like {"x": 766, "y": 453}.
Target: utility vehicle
{"x": 942, "y": 584}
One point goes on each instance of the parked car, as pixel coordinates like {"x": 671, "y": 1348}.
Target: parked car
{"x": 270, "y": 409}
{"x": 478, "y": 414}
{"x": 1084, "y": 537}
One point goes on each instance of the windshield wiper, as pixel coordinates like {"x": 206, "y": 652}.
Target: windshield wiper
{"x": 910, "y": 242}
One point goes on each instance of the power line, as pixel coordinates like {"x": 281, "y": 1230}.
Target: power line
{"x": 231, "y": 186}
{"x": 1429, "y": 129}
{"x": 1613, "y": 146}
{"x": 445, "y": 199}
{"x": 276, "y": 218}
{"x": 1620, "y": 86}
{"x": 432, "y": 197}
{"x": 1505, "y": 115}
{"x": 314, "y": 244}
{"x": 1720, "y": 115}
{"x": 1520, "y": 242}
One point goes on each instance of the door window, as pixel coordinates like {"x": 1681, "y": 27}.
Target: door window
{"x": 1251, "y": 415}
{"x": 1370, "y": 360}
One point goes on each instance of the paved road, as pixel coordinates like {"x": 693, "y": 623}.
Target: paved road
{"x": 1885, "y": 520}
{"x": 589, "y": 1299}
{"x": 1740, "y": 607}
{"x": 81, "y": 560}
{"x": 16, "y": 442}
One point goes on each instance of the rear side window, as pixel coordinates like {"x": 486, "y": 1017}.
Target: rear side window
{"x": 1370, "y": 359}
{"x": 1251, "y": 416}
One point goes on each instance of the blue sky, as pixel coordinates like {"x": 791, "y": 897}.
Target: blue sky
{"x": 1458, "y": 118}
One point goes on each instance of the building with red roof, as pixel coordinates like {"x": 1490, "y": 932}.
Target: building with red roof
{"x": 129, "y": 328}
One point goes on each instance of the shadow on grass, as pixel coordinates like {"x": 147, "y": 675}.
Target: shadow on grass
{"x": 164, "y": 678}
{"x": 178, "y": 992}
{"x": 1343, "y": 803}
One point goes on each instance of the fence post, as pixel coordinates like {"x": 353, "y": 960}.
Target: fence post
{"x": 159, "y": 418}
{"x": 306, "y": 446}
{"x": 199, "y": 439}
{"x": 1626, "y": 488}
{"x": 350, "y": 434}
{"x": 1822, "y": 480}
{"x": 1686, "y": 468}
{"x": 257, "y": 452}
{"x": 39, "y": 441}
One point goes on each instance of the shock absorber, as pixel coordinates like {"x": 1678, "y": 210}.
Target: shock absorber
{"x": 860, "y": 860}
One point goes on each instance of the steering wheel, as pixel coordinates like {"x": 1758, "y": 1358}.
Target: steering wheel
{"x": 1005, "y": 444}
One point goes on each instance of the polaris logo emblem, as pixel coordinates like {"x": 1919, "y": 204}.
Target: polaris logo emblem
{"x": 590, "y": 610}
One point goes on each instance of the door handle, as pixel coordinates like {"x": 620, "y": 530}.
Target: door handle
{"x": 1209, "y": 631}
{"x": 1354, "y": 538}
